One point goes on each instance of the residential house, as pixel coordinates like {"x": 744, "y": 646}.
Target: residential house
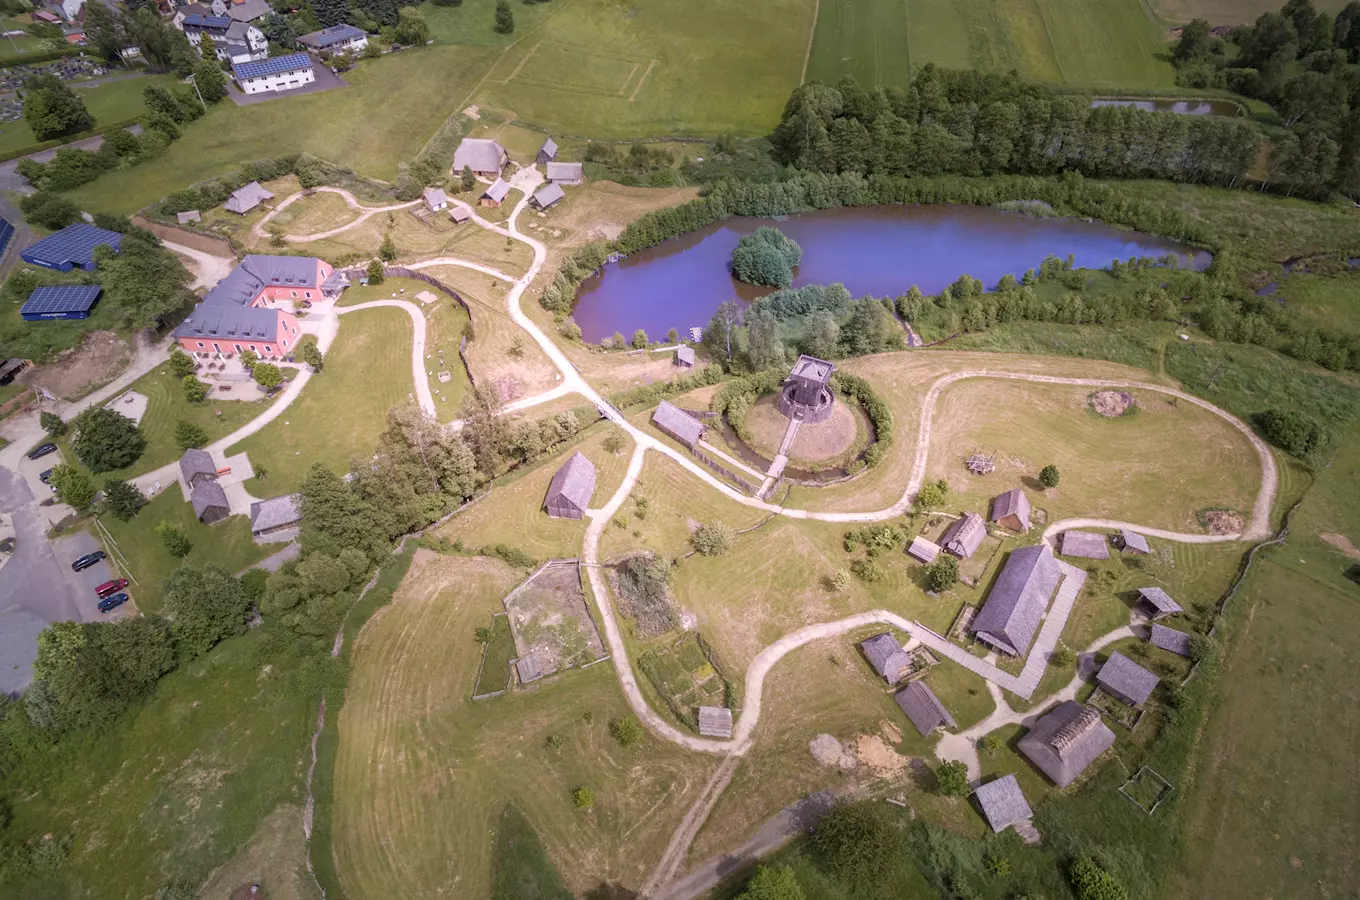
{"x": 1086, "y": 544}
{"x": 1066, "y": 740}
{"x": 435, "y": 199}
{"x": 235, "y": 42}
{"x": 495, "y": 195}
{"x": 684, "y": 357}
{"x": 924, "y": 709}
{"x": 248, "y": 10}
{"x": 1125, "y": 679}
{"x": 678, "y": 424}
{"x": 715, "y": 722}
{"x": 887, "y": 657}
{"x": 252, "y": 308}
{"x": 71, "y": 247}
{"x": 565, "y": 172}
{"x": 547, "y": 196}
{"x": 194, "y": 9}
{"x": 571, "y": 488}
{"x": 1003, "y": 804}
{"x": 1011, "y": 510}
{"x": 336, "y": 39}
{"x": 547, "y": 153}
{"x": 244, "y": 199}
{"x": 923, "y": 550}
{"x": 279, "y": 73}
{"x": 485, "y": 157}
{"x": 1177, "y": 642}
{"x": 964, "y": 536}
{"x": 1157, "y": 603}
{"x": 1010, "y": 616}
{"x": 275, "y": 515}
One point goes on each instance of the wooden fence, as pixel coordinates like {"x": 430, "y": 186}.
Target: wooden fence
{"x": 197, "y": 240}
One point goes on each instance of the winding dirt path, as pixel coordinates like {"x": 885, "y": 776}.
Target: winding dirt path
{"x": 422, "y": 384}
{"x": 365, "y": 212}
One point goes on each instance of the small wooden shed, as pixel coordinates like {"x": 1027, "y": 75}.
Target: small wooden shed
{"x": 571, "y": 488}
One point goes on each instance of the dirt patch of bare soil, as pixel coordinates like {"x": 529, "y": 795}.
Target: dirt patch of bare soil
{"x": 550, "y": 622}
{"x": 830, "y": 752}
{"x": 1342, "y": 543}
{"x": 826, "y": 440}
{"x": 1223, "y": 521}
{"x": 1111, "y": 404}
{"x": 76, "y": 372}
{"x": 880, "y": 759}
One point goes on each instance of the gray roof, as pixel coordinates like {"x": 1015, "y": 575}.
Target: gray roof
{"x": 435, "y": 196}
{"x": 224, "y": 312}
{"x": 1160, "y": 600}
{"x": 275, "y": 512}
{"x": 1127, "y": 679}
{"x": 965, "y": 535}
{"x": 565, "y": 171}
{"x": 685, "y": 355}
{"x": 1018, "y": 599}
{"x": 227, "y": 322}
{"x": 549, "y": 147}
{"x": 188, "y": 216}
{"x": 1134, "y": 541}
{"x": 812, "y": 368}
{"x": 196, "y": 9}
{"x": 497, "y": 191}
{"x": 1012, "y": 503}
{"x": 329, "y": 37}
{"x": 196, "y": 462}
{"x": 250, "y": 10}
{"x": 1086, "y": 544}
{"x": 244, "y": 199}
{"x": 923, "y": 549}
{"x": 208, "y": 495}
{"x": 1003, "y": 803}
{"x": 480, "y": 154}
{"x": 715, "y": 721}
{"x": 574, "y": 482}
{"x": 548, "y": 195}
{"x": 885, "y": 655}
{"x": 460, "y": 214}
{"x": 529, "y": 667}
{"x": 239, "y": 32}
{"x": 924, "y": 709}
{"x": 1170, "y": 639}
{"x": 1065, "y": 741}
{"x": 676, "y": 422}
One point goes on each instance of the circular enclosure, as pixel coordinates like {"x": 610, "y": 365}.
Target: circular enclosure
{"x": 809, "y": 413}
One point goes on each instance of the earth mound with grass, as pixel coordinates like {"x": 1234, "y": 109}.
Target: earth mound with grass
{"x": 1223, "y": 521}
{"x": 1112, "y": 404}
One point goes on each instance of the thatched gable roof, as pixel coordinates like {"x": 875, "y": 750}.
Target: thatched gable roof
{"x": 1086, "y": 544}
{"x": 964, "y": 536}
{"x": 1002, "y": 803}
{"x": 1177, "y": 642}
{"x": 1159, "y": 600}
{"x": 1010, "y": 616}
{"x": 715, "y": 721}
{"x": 1126, "y": 679}
{"x": 1065, "y": 741}
{"x": 924, "y": 709}
{"x": 1012, "y": 503}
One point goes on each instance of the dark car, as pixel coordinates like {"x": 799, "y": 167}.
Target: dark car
{"x": 88, "y": 560}
{"x": 42, "y": 450}
{"x": 46, "y": 477}
{"x": 111, "y": 603}
{"x": 109, "y": 587}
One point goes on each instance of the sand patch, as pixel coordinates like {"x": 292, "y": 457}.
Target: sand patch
{"x": 1342, "y": 543}
{"x": 882, "y": 760}
{"x": 100, "y": 357}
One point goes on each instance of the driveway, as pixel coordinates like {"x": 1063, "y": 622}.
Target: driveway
{"x": 325, "y": 80}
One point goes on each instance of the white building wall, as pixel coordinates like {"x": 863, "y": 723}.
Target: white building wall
{"x": 283, "y": 81}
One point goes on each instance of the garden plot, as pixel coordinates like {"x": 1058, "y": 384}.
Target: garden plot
{"x": 972, "y": 569}
{"x": 551, "y": 625}
{"x": 685, "y": 676}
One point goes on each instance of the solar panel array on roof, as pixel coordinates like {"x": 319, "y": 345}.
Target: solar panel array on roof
{"x": 272, "y": 66}
{"x": 72, "y": 246}
{"x": 63, "y": 301}
{"x": 219, "y": 22}
{"x": 328, "y": 37}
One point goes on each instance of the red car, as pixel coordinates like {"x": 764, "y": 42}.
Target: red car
{"x": 110, "y": 587}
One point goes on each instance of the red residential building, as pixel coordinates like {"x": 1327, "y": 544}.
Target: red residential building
{"x": 252, "y": 308}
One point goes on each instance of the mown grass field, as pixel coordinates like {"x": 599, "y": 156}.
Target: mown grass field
{"x": 341, "y": 411}
{"x": 424, "y": 773}
{"x": 384, "y": 117}
{"x": 179, "y": 784}
{"x": 227, "y": 544}
{"x": 108, "y": 103}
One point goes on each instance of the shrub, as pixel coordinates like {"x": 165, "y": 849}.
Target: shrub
{"x": 106, "y": 439}
{"x": 583, "y": 797}
{"x": 554, "y": 742}
{"x": 951, "y": 779}
{"x": 931, "y": 496}
{"x": 713, "y": 538}
{"x": 990, "y": 744}
{"x": 51, "y": 423}
{"x": 73, "y": 486}
{"x": 1048, "y": 476}
{"x": 868, "y": 571}
{"x": 1091, "y": 882}
{"x": 268, "y": 375}
{"x": 942, "y": 573}
{"x": 254, "y": 582}
{"x": 613, "y": 443}
{"x": 122, "y": 500}
{"x": 195, "y": 391}
{"x": 1063, "y": 657}
{"x": 188, "y": 435}
{"x": 856, "y": 842}
{"x": 773, "y": 883}
{"x": 1292, "y": 431}
{"x": 174, "y": 539}
{"x": 513, "y": 556}
{"x": 626, "y": 730}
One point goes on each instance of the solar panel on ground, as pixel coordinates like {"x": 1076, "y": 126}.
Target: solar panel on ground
{"x": 273, "y": 66}
{"x": 6, "y": 235}
{"x": 61, "y": 301}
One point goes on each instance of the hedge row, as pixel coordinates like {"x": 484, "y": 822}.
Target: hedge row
{"x": 874, "y": 408}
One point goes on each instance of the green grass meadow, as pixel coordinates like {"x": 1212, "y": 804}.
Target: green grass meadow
{"x": 111, "y": 102}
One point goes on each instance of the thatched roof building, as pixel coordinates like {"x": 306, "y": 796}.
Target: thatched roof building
{"x": 675, "y": 422}
{"x": 964, "y": 536}
{"x": 210, "y": 502}
{"x": 1157, "y": 602}
{"x": 923, "y": 549}
{"x": 196, "y": 466}
{"x": 887, "y": 657}
{"x": 571, "y": 488}
{"x": 715, "y": 721}
{"x": 924, "y": 709}
{"x": 1003, "y": 804}
{"x": 1177, "y": 642}
{"x": 1065, "y": 741}
{"x": 1012, "y": 510}
{"x": 1126, "y": 680}
{"x": 1133, "y": 542}
{"x": 1086, "y": 544}
{"x": 1011, "y": 614}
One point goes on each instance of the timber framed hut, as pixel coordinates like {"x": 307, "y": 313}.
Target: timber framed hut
{"x": 1123, "y": 678}
{"x": 571, "y": 488}
{"x": 924, "y": 709}
{"x": 1065, "y": 741}
{"x": 1010, "y": 616}
{"x": 887, "y": 657}
{"x": 964, "y": 536}
{"x": 1003, "y": 804}
{"x": 196, "y": 467}
{"x": 209, "y": 502}
{"x": 715, "y": 721}
{"x": 1086, "y": 544}
{"x": 1131, "y": 542}
{"x": 1177, "y": 642}
{"x": 923, "y": 550}
{"x": 1011, "y": 510}
{"x": 678, "y": 424}
{"x": 1157, "y": 603}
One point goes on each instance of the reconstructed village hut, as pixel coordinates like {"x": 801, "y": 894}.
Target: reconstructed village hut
{"x": 495, "y": 195}
{"x": 964, "y": 536}
{"x": 547, "y": 196}
{"x": 210, "y": 502}
{"x": 275, "y": 514}
{"x": 1065, "y": 741}
{"x": 435, "y": 199}
{"x": 887, "y": 657}
{"x": 715, "y": 721}
{"x": 1125, "y": 679}
{"x": 196, "y": 467}
{"x": 684, "y": 357}
{"x": 244, "y": 199}
{"x": 565, "y": 172}
{"x": 1132, "y": 542}
{"x": 1012, "y": 510}
{"x": 923, "y": 549}
{"x": 547, "y": 153}
{"x": 675, "y": 422}
{"x": 1177, "y": 642}
{"x": 484, "y": 157}
{"x": 1003, "y": 804}
{"x": 1011, "y": 614}
{"x": 1157, "y": 603}
{"x": 571, "y": 488}
{"x": 1085, "y": 544}
{"x": 924, "y": 709}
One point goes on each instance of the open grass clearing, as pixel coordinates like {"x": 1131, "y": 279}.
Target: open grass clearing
{"x": 276, "y": 855}
{"x": 321, "y": 211}
{"x": 400, "y": 99}
{"x": 112, "y": 101}
{"x": 1226, "y": 12}
{"x": 494, "y": 674}
{"x": 423, "y": 772}
{"x": 1106, "y": 43}
{"x": 418, "y": 239}
{"x": 1156, "y": 467}
{"x": 180, "y": 784}
{"x": 867, "y": 41}
{"x": 227, "y": 543}
{"x": 342, "y": 411}
{"x": 1326, "y": 303}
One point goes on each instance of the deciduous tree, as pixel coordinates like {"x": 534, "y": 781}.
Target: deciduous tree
{"x": 1048, "y": 476}
{"x": 74, "y": 487}
{"x": 106, "y": 439}
{"x": 174, "y": 539}
{"x": 51, "y": 423}
{"x": 195, "y": 391}
{"x": 268, "y": 375}
{"x": 204, "y": 605}
{"x": 53, "y": 110}
{"x": 773, "y": 883}
{"x": 951, "y": 778}
{"x": 505, "y": 18}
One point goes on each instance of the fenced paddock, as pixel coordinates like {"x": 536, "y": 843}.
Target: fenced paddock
{"x": 1146, "y": 789}
{"x": 494, "y": 672}
{"x": 550, "y": 623}
{"x": 581, "y": 70}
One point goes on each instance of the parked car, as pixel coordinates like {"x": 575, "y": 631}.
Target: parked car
{"x": 111, "y": 603}
{"x": 46, "y": 477}
{"x": 88, "y": 560}
{"x": 110, "y": 587}
{"x": 42, "y": 450}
